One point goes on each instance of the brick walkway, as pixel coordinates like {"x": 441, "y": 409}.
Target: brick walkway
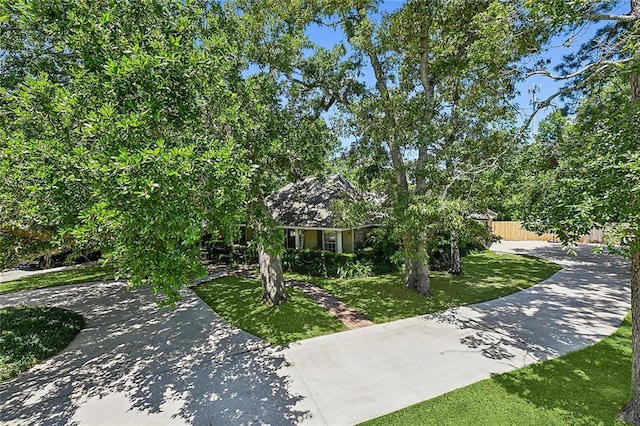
{"x": 338, "y": 309}
{"x": 347, "y": 315}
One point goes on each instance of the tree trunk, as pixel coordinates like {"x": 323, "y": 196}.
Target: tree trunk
{"x": 416, "y": 273}
{"x": 456, "y": 268}
{"x": 416, "y": 276}
{"x": 631, "y": 411}
{"x": 273, "y": 289}
{"x": 27, "y": 233}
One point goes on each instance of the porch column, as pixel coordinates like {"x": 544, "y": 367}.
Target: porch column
{"x": 338, "y": 241}
{"x": 353, "y": 241}
{"x": 298, "y": 239}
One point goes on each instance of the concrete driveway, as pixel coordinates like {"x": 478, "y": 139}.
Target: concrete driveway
{"x": 350, "y": 377}
{"x": 137, "y": 364}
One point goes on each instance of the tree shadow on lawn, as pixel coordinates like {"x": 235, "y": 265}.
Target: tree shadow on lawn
{"x": 237, "y": 299}
{"x": 574, "y": 308}
{"x": 584, "y": 387}
{"x": 486, "y": 276}
{"x": 137, "y": 363}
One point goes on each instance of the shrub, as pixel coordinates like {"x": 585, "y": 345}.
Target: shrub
{"x": 315, "y": 262}
{"x": 31, "y": 334}
{"x": 380, "y": 249}
{"x": 357, "y": 269}
{"x": 219, "y": 251}
{"x": 244, "y": 255}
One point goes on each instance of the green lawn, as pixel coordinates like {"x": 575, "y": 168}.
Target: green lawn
{"x": 586, "y": 387}
{"x": 237, "y": 300}
{"x": 76, "y": 275}
{"x": 30, "y": 334}
{"x": 486, "y": 275}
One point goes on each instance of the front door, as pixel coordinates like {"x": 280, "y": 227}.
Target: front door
{"x": 290, "y": 238}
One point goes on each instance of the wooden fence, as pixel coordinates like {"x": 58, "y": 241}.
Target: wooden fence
{"x": 512, "y": 231}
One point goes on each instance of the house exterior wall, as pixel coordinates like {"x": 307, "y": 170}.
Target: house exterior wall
{"x": 347, "y": 241}
{"x": 310, "y": 239}
{"x": 313, "y": 238}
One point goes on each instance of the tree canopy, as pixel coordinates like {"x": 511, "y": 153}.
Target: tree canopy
{"x": 134, "y": 129}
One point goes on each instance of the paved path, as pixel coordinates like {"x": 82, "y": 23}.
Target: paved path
{"x": 17, "y": 273}
{"x": 349, "y": 377}
{"x": 338, "y": 309}
{"x": 137, "y": 364}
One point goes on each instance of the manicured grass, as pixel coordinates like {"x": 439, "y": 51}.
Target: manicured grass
{"x": 486, "y": 275}
{"x": 76, "y": 275}
{"x": 31, "y": 334}
{"x": 237, "y": 300}
{"x": 586, "y": 387}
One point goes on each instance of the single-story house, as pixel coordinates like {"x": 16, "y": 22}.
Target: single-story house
{"x": 305, "y": 209}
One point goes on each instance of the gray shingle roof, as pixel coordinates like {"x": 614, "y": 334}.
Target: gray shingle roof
{"x": 307, "y": 203}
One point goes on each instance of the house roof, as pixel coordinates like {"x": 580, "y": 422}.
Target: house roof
{"x": 488, "y": 215}
{"x": 308, "y": 203}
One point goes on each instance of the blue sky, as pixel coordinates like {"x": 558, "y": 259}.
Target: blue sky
{"x": 544, "y": 86}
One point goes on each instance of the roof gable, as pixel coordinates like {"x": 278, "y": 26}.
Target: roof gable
{"x": 308, "y": 203}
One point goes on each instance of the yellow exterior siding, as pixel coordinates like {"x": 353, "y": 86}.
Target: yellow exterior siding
{"x": 347, "y": 241}
{"x": 310, "y": 239}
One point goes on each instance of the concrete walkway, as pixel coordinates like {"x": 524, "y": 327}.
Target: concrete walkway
{"x": 23, "y": 272}
{"x": 137, "y": 364}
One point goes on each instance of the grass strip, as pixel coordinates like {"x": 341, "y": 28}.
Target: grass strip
{"x": 31, "y": 334}
{"x": 486, "y": 276}
{"x": 75, "y": 275}
{"x": 237, "y": 300}
{"x": 586, "y": 387}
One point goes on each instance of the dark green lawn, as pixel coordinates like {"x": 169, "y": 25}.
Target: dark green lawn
{"x": 76, "y": 275}
{"x": 237, "y": 300}
{"x": 486, "y": 276}
{"x": 31, "y": 334}
{"x": 586, "y": 387}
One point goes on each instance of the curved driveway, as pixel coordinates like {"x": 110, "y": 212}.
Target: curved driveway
{"x": 137, "y": 364}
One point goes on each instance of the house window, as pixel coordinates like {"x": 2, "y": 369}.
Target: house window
{"x": 290, "y": 238}
{"x": 329, "y": 240}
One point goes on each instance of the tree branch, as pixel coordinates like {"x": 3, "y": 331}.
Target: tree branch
{"x": 606, "y": 17}
{"x": 568, "y": 89}
{"x": 575, "y": 74}
{"x": 27, "y": 233}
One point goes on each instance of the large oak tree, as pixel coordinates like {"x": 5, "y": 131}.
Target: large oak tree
{"x": 135, "y": 128}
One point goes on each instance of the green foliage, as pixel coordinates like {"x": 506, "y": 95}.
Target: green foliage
{"x": 320, "y": 263}
{"x": 586, "y": 387}
{"x": 75, "y": 275}
{"x": 357, "y": 269}
{"x": 241, "y": 255}
{"x": 591, "y": 181}
{"x": 486, "y": 276}
{"x": 382, "y": 249}
{"x": 237, "y": 300}
{"x": 131, "y": 135}
{"x": 31, "y": 334}
{"x": 14, "y": 250}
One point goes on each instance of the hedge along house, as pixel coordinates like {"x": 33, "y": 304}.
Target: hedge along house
{"x": 309, "y": 213}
